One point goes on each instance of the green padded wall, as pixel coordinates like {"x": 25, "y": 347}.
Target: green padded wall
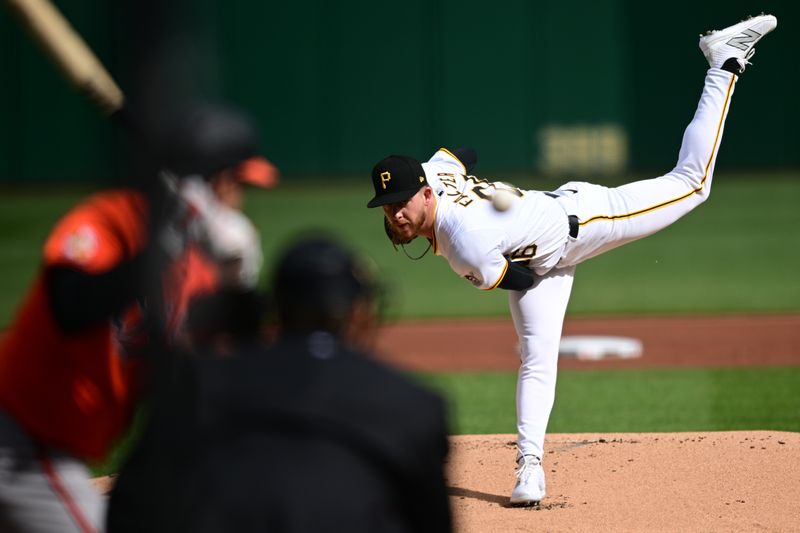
{"x": 336, "y": 86}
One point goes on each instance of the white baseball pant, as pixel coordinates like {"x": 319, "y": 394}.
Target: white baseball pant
{"x": 609, "y": 217}
{"x": 43, "y": 491}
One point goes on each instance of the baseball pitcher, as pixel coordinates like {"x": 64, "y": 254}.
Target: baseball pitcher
{"x": 530, "y": 242}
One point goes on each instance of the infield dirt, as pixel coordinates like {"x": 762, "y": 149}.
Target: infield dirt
{"x": 647, "y": 482}
{"x": 668, "y": 342}
{"x": 718, "y": 481}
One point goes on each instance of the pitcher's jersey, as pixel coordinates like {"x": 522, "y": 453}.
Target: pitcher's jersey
{"x": 476, "y": 239}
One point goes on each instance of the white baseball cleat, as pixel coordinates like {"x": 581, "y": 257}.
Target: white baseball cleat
{"x": 529, "y": 489}
{"x": 737, "y": 41}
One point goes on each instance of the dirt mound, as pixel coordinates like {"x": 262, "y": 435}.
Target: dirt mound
{"x": 718, "y": 481}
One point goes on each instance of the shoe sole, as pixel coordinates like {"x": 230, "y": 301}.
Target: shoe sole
{"x": 524, "y": 503}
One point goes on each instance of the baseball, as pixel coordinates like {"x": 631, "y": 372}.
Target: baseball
{"x": 502, "y": 200}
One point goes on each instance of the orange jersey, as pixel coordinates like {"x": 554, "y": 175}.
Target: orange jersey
{"x": 77, "y": 391}
{"x": 189, "y": 276}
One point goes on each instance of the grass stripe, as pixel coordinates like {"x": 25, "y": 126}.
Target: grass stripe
{"x": 632, "y": 400}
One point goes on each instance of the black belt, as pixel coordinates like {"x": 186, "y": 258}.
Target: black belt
{"x": 573, "y": 226}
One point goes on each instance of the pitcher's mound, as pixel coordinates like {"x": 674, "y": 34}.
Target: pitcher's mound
{"x": 718, "y": 481}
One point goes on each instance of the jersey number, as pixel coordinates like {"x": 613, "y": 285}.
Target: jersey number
{"x": 522, "y": 254}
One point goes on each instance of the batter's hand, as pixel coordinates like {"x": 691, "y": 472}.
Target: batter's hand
{"x": 181, "y": 223}
{"x": 225, "y": 234}
{"x": 235, "y": 244}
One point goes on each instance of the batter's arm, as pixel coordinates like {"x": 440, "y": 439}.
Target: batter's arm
{"x": 79, "y": 299}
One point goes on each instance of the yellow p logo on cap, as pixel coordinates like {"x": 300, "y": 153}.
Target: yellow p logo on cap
{"x": 385, "y": 177}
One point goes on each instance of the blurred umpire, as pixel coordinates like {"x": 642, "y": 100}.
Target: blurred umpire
{"x": 308, "y": 434}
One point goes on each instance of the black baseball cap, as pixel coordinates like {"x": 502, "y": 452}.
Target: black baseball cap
{"x": 396, "y": 179}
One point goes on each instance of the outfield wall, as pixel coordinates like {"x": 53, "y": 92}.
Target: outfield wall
{"x": 576, "y": 88}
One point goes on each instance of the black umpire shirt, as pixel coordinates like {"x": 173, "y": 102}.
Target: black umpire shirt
{"x": 305, "y": 436}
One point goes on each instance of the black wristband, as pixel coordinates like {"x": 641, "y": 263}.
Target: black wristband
{"x": 517, "y": 278}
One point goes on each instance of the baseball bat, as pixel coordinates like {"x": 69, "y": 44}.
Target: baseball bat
{"x": 83, "y": 70}
{"x": 69, "y": 52}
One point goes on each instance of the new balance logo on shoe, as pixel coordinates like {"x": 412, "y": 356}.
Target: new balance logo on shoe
{"x": 736, "y": 42}
{"x": 744, "y": 40}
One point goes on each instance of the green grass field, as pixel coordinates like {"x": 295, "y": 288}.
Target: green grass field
{"x": 738, "y": 253}
{"x": 632, "y": 400}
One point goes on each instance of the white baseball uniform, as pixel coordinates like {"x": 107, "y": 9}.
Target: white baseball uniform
{"x": 228, "y": 233}
{"x": 476, "y": 239}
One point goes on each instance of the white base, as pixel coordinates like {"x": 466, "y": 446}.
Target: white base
{"x": 596, "y": 347}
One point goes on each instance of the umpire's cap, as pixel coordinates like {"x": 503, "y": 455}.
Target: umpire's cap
{"x": 206, "y": 139}
{"x": 316, "y": 282}
{"x": 396, "y": 179}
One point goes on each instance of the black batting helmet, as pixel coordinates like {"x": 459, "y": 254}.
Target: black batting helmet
{"x": 207, "y": 138}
